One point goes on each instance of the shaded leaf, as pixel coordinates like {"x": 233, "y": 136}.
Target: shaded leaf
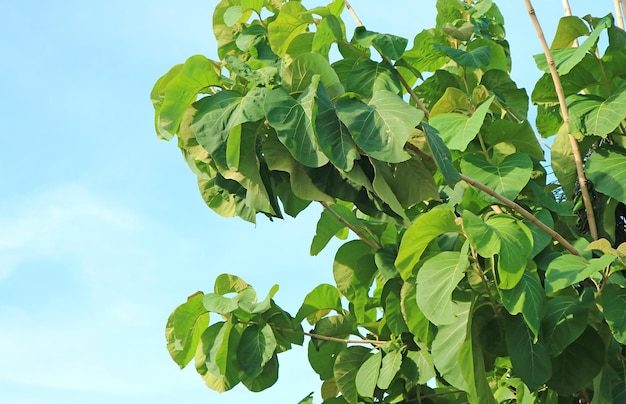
{"x": 347, "y": 366}
{"x": 447, "y": 345}
{"x": 390, "y": 366}
{"x": 389, "y": 45}
{"x": 478, "y": 57}
{"x": 565, "y": 320}
{"x": 606, "y": 168}
{"x": 613, "y": 301}
{"x": 442, "y": 155}
{"x": 568, "y": 270}
{"x": 528, "y": 298}
{"x": 255, "y": 349}
{"x": 515, "y": 246}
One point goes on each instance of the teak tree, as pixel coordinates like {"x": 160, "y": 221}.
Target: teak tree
{"x": 473, "y": 276}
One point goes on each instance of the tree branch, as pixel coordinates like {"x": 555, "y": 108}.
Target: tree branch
{"x": 618, "y": 13}
{"x": 593, "y": 229}
{"x": 527, "y": 215}
{"x": 350, "y": 226}
{"x": 326, "y": 338}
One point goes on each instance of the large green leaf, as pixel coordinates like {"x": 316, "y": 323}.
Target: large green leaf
{"x": 389, "y": 45}
{"x": 442, "y": 155}
{"x": 389, "y": 368}
{"x": 606, "y": 168}
{"x": 330, "y": 30}
{"x": 332, "y": 135}
{"x": 528, "y": 298}
{"x": 178, "y": 89}
{"x": 367, "y": 375}
{"x": 267, "y": 378}
{"x": 354, "y": 269}
{"x": 414, "y": 318}
{"x": 381, "y": 127}
{"x": 329, "y": 226}
{"x": 541, "y": 239}
{"x": 514, "y": 100}
{"x": 520, "y": 135}
{"x": 530, "y": 359}
{"x": 478, "y": 57}
{"x": 566, "y": 59}
{"x": 216, "y": 358}
{"x": 367, "y": 77}
{"x": 322, "y": 357}
{"x": 347, "y": 366}
{"x": 278, "y": 158}
{"x": 184, "y": 328}
{"x": 568, "y": 376}
{"x": 436, "y": 280}
{"x": 424, "y": 229}
{"x": 424, "y": 56}
{"x": 516, "y": 244}
{"x": 298, "y": 75}
{"x": 507, "y": 177}
{"x": 318, "y": 302}
{"x": 569, "y": 29}
{"x": 613, "y": 301}
{"x": 447, "y": 345}
{"x": 392, "y": 305}
{"x": 293, "y": 19}
{"x": 567, "y": 270}
{"x": 255, "y": 349}
{"x": 565, "y": 320}
{"x": 458, "y": 130}
{"x": 294, "y": 124}
{"x": 480, "y": 235}
{"x": 605, "y": 116}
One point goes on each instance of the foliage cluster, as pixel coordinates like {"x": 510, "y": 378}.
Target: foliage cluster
{"x": 473, "y": 278}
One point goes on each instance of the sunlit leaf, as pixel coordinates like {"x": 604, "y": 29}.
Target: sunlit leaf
{"x": 507, "y": 177}
{"x": 321, "y": 299}
{"x": 293, "y": 19}
{"x": 528, "y": 298}
{"x": 347, "y": 366}
{"x": 184, "y": 329}
{"x": 458, "y": 130}
{"x": 606, "y": 168}
{"x": 367, "y": 375}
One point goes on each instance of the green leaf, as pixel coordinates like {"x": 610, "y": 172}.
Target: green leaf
{"x": 385, "y": 258}
{"x": 267, "y": 378}
{"x": 332, "y": 135}
{"x": 321, "y": 299}
{"x": 354, "y": 269}
{"x": 458, "y": 130}
{"x": 507, "y": 177}
{"x": 447, "y": 345}
{"x": 497, "y": 60}
{"x": 298, "y": 75}
{"x": 424, "y": 56}
{"x": 569, "y": 29}
{"x": 480, "y": 235}
{"x": 347, "y": 366}
{"x": 540, "y": 238}
{"x": 568, "y": 270}
{"x": 613, "y": 301}
{"x": 436, "y": 280}
{"x": 452, "y": 100}
{"x": 391, "y": 303}
{"x": 565, "y": 320}
{"x": 567, "y": 375}
{"x": 424, "y": 229}
{"x": 293, "y": 121}
{"x": 179, "y": 90}
{"x": 442, "y": 155}
{"x": 390, "y": 366}
{"x": 293, "y": 19}
{"x": 513, "y": 99}
{"x": 329, "y": 226}
{"x": 278, "y": 158}
{"x": 322, "y": 357}
{"x": 531, "y": 360}
{"x": 607, "y": 115}
{"x": 381, "y": 127}
{"x": 418, "y": 366}
{"x": 606, "y": 169}
{"x": 367, "y": 375}
{"x": 367, "y": 77}
{"x": 330, "y": 30}
{"x": 227, "y": 283}
{"x": 389, "y": 45}
{"x": 220, "y": 304}
{"x": 519, "y": 135}
{"x": 255, "y": 349}
{"x": 184, "y": 328}
{"x": 528, "y": 298}
{"x": 414, "y": 318}
{"x": 477, "y": 58}
{"x": 516, "y": 243}
{"x": 216, "y": 358}
{"x": 566, "y": 59}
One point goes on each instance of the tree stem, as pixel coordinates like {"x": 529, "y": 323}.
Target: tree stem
{"x": 326, "y": 338}
{"x": 593, "y": 229}
{"x": 350, "y": 226}
{"x": 618, "y": 13}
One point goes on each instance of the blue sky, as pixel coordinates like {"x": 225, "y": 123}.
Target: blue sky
{"x": 102, "y": 229}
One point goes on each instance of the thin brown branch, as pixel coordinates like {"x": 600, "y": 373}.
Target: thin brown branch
{"x": 351, "y": 10}
{"x": 350, "y": 226}
{"x": 593, "y": 229}
{"x": 527, "y": 215}
{"x": 326, "y": 338}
